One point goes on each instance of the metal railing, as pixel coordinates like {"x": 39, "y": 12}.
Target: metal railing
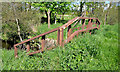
{"x": 60, "y": 34}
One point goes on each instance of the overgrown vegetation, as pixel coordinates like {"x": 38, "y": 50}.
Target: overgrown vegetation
{"x": 34, "y": 14}
{"x": 87, "y": 52}
{"x": 24, "y": 20}
{"x": 11, "y": 31}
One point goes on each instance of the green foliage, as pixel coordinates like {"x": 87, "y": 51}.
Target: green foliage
{"x": 1, "y": 65}
{"x": 55, "y": 7}
{"x": 96, "y": 52}
{"x": 102, "y": 12}
{"x": 27, "y": 20}
{"x": 45, "y": 5}
{"x": 87, "y": 52}
{"x": 112, "y": 15}
{"x": 43, "y": 28}
{"x": 64, "y": 7}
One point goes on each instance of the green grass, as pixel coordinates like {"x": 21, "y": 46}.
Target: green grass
{"x": 1, "y": 59}
{"x": 44, "y": 28}
{"x": 98, "y": 51}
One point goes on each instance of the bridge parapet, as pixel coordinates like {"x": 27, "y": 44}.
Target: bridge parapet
{"x": 60, "y": 33}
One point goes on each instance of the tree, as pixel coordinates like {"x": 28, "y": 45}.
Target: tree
{"x": 91, "y": 6}
{"x": 52, "y": 8}
{"x": 16, "y": 23}
{"x": 107, "y": 12}
{"x": 81, "y": 7}
{"x": 64, "y": 7}
{"x": 48, "y": 7}
{"x": 112, "y": 14}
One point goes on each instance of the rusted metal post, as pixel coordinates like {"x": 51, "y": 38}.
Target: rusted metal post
{"x": 83, "y": 23}
{"x": 43, "y": 42}
{"x": 61, "y": 34}
{"x": 58, "y": 37}
{"x": 69, "y": 31}
{"x": 61, "y": 37}
{"x": 89, "y": 25}
{"x": 15, "y": 50}
{"x": 28, "y": 46}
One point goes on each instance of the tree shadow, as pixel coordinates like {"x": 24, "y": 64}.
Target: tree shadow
{"x": 43, "y": 20}
{"x": 94, "y": 31}
{"x": 37, "y": 55}
{"x": 52, "y": 20}
{"x": 62, "y": 21}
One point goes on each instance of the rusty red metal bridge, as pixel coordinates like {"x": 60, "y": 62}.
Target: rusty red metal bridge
{"x": 93, "y": 23}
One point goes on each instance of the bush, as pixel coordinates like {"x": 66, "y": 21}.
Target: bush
{"x": 27, "y": 21}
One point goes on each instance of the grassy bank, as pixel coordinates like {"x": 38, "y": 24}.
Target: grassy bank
{"x": 96, "y": 52}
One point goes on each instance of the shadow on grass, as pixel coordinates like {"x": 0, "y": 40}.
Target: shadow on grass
{"x": 52, "y": 21}
{"x": 94, "y": 31}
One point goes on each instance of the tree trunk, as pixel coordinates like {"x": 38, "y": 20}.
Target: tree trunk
{"x": 109, "y": 8}
{"x": 63, "y": 16}
{"x": 17, "y": 21}
{"x": 30, "y": 6}
{"x": 105, "y": 19}
{"x": 92, "y": 10}
{"x": 81, "y": 6}
{"x": 107, "y": 13}
{"x": 48, "y": 18}
{"x": 55, "y": 18}
{"x": 25, "y": 5}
